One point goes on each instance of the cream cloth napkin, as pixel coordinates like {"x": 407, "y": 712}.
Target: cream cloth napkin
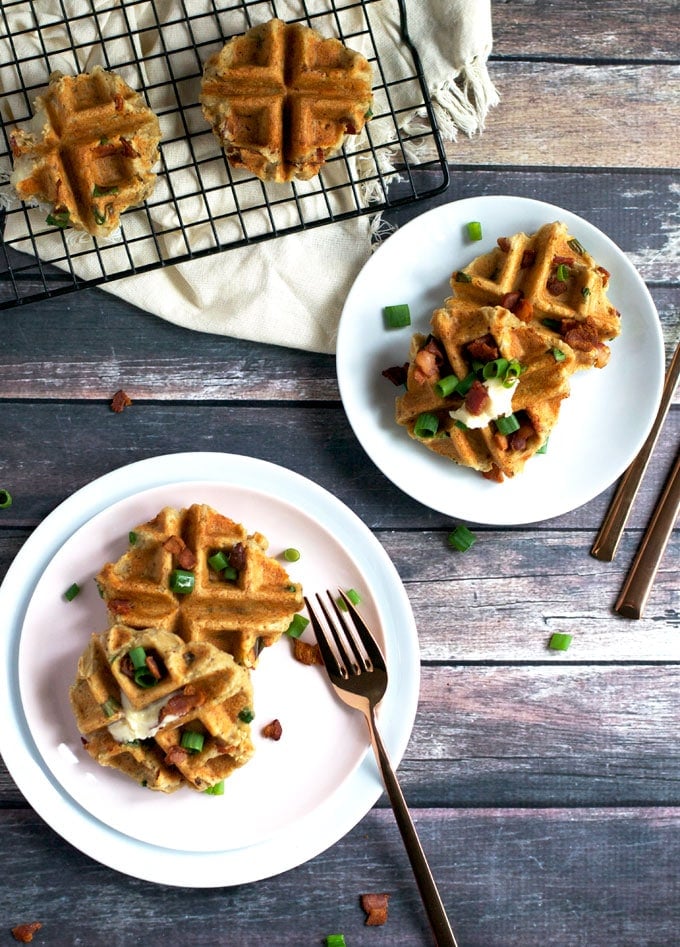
{"x": 289, "y": 290}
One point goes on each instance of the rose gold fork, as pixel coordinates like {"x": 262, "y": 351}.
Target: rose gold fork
{"x": 357, "y": 671}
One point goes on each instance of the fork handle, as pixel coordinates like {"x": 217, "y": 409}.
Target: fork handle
{"x": 429, "y": 893}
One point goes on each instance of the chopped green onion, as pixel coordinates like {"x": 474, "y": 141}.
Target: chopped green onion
{"x": 98, "y": 216}
{"x": 446, "y": 386}
{"x": 585, "y": 292}
{"x": 474, "y": 230}
{"x": 144, "y": 677}
{"x": 368, "y": 114}
{"x": 132, "y": 537}
{"x": 576, "y": 246}
{"x": 463, "y": 277}
{"x": 110, "y": 707}
{"x": 464, "y": 386}
{"x": 462, "y": 538}
{"x": 297, "y": 626}
{"x": 396, "y": 317}
{"x": 5, "y": 499}
{"x": 426, "y": 425}
{"x": 182, "y": 581}
{"x": 335, "y": 940}
{"x": 563, "y": 272}
{"x": 495, "y": 369}
{"x": 192, "y": 740}
{"x": 352, "y": 595}
{"x": 559, "y": 641}
{"x": 507, "y": 424}
{"x": 71, "y": 592}
{"x": 291, "y": 555}
{"x": 230, "y": 573}
{"x": 246, "y": 715}
{"x": 216, "y": 790}
{"x": 461, "y": 425}
{"x": 543, "y": 449}
{"x": 218, "y": 562}
{"x": 60, "y": 218}
{"x": 553, "y": 324}
{"x": 138, "y": 657}
{"x": 98, "y": 191}
{"x": 558, "y": 355}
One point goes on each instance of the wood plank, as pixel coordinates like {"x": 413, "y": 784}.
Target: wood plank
{"x": 574, "y": 115}
{"x": 575, "y": 30}
{"x": 509, "y": 878}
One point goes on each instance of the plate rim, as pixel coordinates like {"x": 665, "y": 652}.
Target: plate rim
{"x": 451, "y": 210}
{"x": 66, "y": 816}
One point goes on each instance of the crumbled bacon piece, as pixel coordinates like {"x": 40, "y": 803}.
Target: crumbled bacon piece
{"x": 126, "y": 667}
{"x": 237, "y": 557}
{"x": 186, "y": 559}
{"x": 510, "y": 300}
{"x": 581, "y": 336}
{"x": 306, "y": 653}
{"x": 605, "y": 274}
{"x": 518, "y": 439}
{"x": 119, "y": 606}
{"x": 504, "y": 244}
{"x": 476, "y": 397}
{"x": 524, "y": 310}
{"x": 127, "y": 150}
{"x": 272, "y": 730}
{"x": 24, "y": 932}
{"x": 484, "y": 349}
{"x": 120, "y": 401}
{"x": 556, "y": 286}
{"x": 175, "y": 755}
{"x": 176, "y": 546}
{"x": 563, "y": 260}
{"x": 495, "y": 474}
{"x": 181, "y": 704}
{"x": 375, "y": 906}
{"x": 428, "y": 362}
{"x": 152, "y": 662}
{"x": 119, "y": 102}
{"x": 173, "y": 545}
{"x": 397, "y": 374}
{"x": 528, "y": 259}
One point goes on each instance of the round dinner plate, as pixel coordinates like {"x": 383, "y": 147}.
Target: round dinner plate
{"x": 602, "y": 425}
{"x": 297, "y": 796}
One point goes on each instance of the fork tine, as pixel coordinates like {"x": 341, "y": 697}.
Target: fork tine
{"x": 330, "y": 658}
{"x": 364, "y": 633}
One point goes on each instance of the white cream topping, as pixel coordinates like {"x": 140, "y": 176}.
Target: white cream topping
{"x": 139, "y": 724}
{"x": 498, "y": 405}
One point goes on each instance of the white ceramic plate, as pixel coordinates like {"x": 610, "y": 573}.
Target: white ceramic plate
{"x": 296, "y": 796}
{"x": 603, "y": 423}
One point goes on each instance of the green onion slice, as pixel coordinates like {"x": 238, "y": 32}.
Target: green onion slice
{"x": 553, "y": 324}
{"x": 60, "y": 218}
{"x": 110, "y": 707}
{"x": 464, "y": 386}
{"x": 230, "y": 573}
{"x": 396, "y": 317}
{"x": 558, "y": 355}
{"x": 585, "y": 292}
{"x": 132, "y": 537}
{"x": 138, "y": 657}
{"x": 98, "y": 191}
{"x": 426, "y": 425}
{"x": 563, "y": 272}
{"x": 5, "y": 499}
{"x": 462, "y": 538}
{"x": 474, "y": 230}
{"x": 335, "y": 940}
{"x": 352, "y": 595}
{"x": 216, "y": 790}
{"x": 507, "y": 424}
{"x": 291, "y": 555}
{"x": 144, "y": 677}
{"x": 446, "y": 386}
{"x": 181, "y": 581}
{"x": 297, "y": 626}
{"x": 246, "y": 715}
{"x": 495, "y": 369}
{"x": 218, "y": 561}
{"x": 463, "y": 277}
{"x": 192, "y": 740}
{"x": 559, "y": 641}
{"x": 543, "y": 449}
{"x": 71, "y": 592}
{"x": 576, "y": 246}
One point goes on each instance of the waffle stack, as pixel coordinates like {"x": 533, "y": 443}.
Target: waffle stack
{"x": 551, "y": 282}
{"x": 88, "y": 151}
{"x": 241, "y": 608}
{"x": 464, "y": 336}
{"x": 184, "y": 721}
{"x": 281, "y": 99}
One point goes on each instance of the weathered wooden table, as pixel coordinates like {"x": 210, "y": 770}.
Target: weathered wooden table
{"x": 545, "y": 786}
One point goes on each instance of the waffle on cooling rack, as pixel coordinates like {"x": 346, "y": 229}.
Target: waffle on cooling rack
{"x": 200, "y": 575}
{"x": 164, "y": 712}
{"x": 282, "y": 98}
{"x": 550, "y": 281}
{"x": 88, "y": 151}
{"x": 507, "y": 382}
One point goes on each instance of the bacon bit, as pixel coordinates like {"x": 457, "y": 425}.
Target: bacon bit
{"x": 272, "y": 730}
{"x": 350, "y": 127}
{"x": 504, "y": 244}
{"x": 176, "y": 755}
{"x": 556, "y": 286}
{"x": 14, "y": 147}
{"x": 127, "y": 150}
{"x": 120, "y": 401}
{"x": 237, "y": 557}
{"x": 375, "y": 906}
{"x": 119, "y": 102}
{"x": 24, "y": 932}
{"x": 126, "y": 667}
{"x": 528, "y": 259}
{"x": 120, "y": 606}
{"x": 510, "y": 300}
{"x": 174, "y": 545}
{"x": 495, "y": 474}
{"x": 428, "y": 362}
{"x": 306, "y": 653}
{"x": 563, "y": 261}
{"x": 153, "y": 667}
{"x": 581, "y": 336}
{"x": 484, "y": 348}
{"x": 186, "y": 559}
{"x": 103, "y": 151}
{"x": 524, "y": 310}
{"x": 476, "y": 397}
{"x": 181, "y": 704}
{"x": 605, "y": 274}
{"x": 397, "y": 374}
{"x": 518, "y": 439}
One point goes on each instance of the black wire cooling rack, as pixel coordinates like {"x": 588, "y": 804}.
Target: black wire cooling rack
{"x": 200, "y": 206}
